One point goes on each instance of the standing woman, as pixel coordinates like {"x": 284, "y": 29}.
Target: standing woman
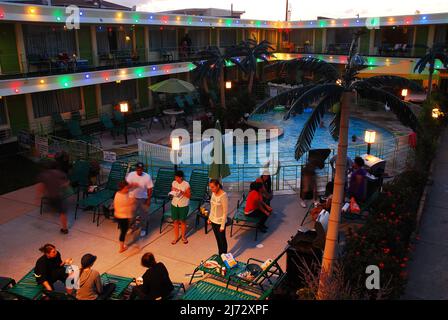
{"x": 180, "y": 189}
{"x": 124, "y": 207}
{"x": 219, "y": 204}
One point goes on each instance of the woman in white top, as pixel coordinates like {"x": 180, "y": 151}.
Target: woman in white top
{"x": 180, "y": 190}
{"x": 124, "y": 208}
{"x": 219, "y": 204}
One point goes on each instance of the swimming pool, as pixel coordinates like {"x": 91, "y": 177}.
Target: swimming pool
{"x": 292, "y": 127}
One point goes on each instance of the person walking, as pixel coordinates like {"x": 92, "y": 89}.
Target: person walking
{"x": 181, "y": 192}
{"x": 124, "y": 206}
{"x": 141, "y": 189}
{"x": 219, "y": 204}
{"x": 53, "y": 186}
{"x": 90, "y": 284}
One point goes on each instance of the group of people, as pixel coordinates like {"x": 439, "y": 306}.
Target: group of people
{"x": 50, "y": 268}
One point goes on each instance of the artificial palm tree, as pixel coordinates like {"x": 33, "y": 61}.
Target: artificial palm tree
{"x": 212, "y": 68}
{"x": 430, "y": 58}
{"x": 324, "y": 95}
{"x": 252, "y": 52}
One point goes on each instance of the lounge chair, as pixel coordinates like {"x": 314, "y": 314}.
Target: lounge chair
{"x": 75, "y": 131}
{"x": 107, "y": 123}
{"x": 198, "y": 185}
{"x": 27, "y": 288}
{"x": 242, "y": 220}
{"x": 95, "y": 200}
{"x": 121, "y": 284}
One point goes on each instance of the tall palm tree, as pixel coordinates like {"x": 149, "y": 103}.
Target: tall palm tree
{"x": 430, "y": 58}
{"x": 324, "y": 96}
{"x": 252, "y": 52}
{"x": 212, "y": 68}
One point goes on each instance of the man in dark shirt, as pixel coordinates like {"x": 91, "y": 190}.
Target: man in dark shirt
{"x": 50, "y": 267}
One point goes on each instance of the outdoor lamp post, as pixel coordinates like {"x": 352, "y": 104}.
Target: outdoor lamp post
{"x": 435, "y": 113}
{"x": 228, "y": 85}
{"x": 175, "y": 146}
{"x": 369, "y": 138}
{"x": 124, "y": 108}
{"x": 404, "y": 93}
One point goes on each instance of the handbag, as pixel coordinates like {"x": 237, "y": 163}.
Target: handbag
{"x": 354, "y": 207}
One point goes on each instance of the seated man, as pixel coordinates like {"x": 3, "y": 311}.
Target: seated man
{"x": 358, "y": 180}
{"x": 255, "y": 207}
{"x": 50, "y": 268}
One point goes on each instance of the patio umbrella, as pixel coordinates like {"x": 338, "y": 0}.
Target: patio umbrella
{"x": 173, "y": 85}
{"x": 221, "y": 169}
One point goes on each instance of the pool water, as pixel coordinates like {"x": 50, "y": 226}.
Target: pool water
{"x": 292, "y": 127}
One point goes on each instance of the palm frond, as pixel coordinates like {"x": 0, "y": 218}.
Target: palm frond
{"x": 335, "y": 124}
{"x": 305, "y": 139}
{"x": 399, "y": 108}
{"x": 311, "y": 95}
{"x": 394, "y": 82}
{"x": 422, "y": 62}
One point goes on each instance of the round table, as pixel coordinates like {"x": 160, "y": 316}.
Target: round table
{"x": 173, "y": 113}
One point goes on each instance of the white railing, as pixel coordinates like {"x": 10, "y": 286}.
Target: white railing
{"x": 157, "y": 151}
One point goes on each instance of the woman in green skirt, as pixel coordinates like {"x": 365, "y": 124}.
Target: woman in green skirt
{"x": 180, "y": 190}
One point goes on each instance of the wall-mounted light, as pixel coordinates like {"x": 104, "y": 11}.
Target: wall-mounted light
{"x": 228, "y": 84}
{"x": 404, "y": 93}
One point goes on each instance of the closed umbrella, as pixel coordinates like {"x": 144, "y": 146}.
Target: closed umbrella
{"x": 173, "y": 85}
{"x": 219, "y": 168}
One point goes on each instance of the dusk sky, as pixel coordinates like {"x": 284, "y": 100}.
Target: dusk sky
{"x": 301, "y": 9}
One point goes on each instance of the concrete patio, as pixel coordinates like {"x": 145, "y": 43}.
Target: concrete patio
{"x": 23, "y": 230}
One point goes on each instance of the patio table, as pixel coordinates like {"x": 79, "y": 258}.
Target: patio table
{"x": 173, "y": 113}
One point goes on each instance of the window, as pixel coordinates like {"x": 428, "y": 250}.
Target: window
{"x": 227, "y": 38}
{"x": 3, "y": 118}
{"x": 57, "y": 101}
{"x": 112, "y": 93}
{"x": 165, "y": 38}
{"x": 199, "y": 38}
{"x": 48, "y": 41}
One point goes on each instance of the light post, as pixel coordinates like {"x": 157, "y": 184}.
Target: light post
{"x": 175, "y": 146}
{"x": 369, "y": 138}
{"x": 124, "y": 108}
{"x": 404, "y": 93}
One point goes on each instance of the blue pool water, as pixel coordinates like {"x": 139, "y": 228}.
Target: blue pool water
{"x": 286, "y": 144}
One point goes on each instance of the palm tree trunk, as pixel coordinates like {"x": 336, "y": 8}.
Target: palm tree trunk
{"x": 251, "y": 82}
{"x": 428, "y": 95}
{"x": 331, "y": 243}
{"x": 222, "y": 88}
{"x": 210, "y": 100}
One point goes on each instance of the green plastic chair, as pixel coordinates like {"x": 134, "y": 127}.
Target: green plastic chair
{"x": 194, "y": 106}
{"x": 75, "y": 131}
{"x": 58, "y": 122}
{"x": 109, "y": 125}
{"x": 242, "y": 220}
{"x": 136, "y": 126}
{"x": 198, "y": 185}
{"x": 117, "y": 173}
{"x": 203, "y": 290}
{"x": 121, "y": 284}
{"x": 27, "y": 288}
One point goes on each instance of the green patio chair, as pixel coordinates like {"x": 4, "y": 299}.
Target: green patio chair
{"x": 75, "y": 131}
{"x": 76, "y": 115}
{"x": 27, "y": 288}
{"x": 79, "y": 182}
{"x": 194, "y": 106}
{"x": 117, "y": 173}
{"x": 136, "y": 126}
{"x": 198, "y": 185}
{"x": 58, "y": 122}
{"x": 121, "y": 284}
{"x": 107, "y": 123}
{"x": 242, "y": 220}
{"x": 179, "y": 102}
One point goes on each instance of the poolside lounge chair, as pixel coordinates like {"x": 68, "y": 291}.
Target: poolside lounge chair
{"x": 121, "y": 284}
{"x": 136, "y": 126}
{"x": 242, "y": 220}
{"x": 76, "y": 133}
{"x": 107, "y": 123}
{"x": 27, "y": 287}
{"x": 198, "y": 184}
{"x": 117, "y": 173}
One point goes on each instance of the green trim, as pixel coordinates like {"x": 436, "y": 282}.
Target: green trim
{"x": 90, "y": 106}
{"x": 318, "y": 41}
{"x": 143, "y": 89}
{"x": 18, "y": 117}
{"x": 365, "y": 43}
{"x": 85, "y": 44}
{"x": 421, "y": 38}
{"x": 9, "y": 58}
{"x": 140, "y": 43}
